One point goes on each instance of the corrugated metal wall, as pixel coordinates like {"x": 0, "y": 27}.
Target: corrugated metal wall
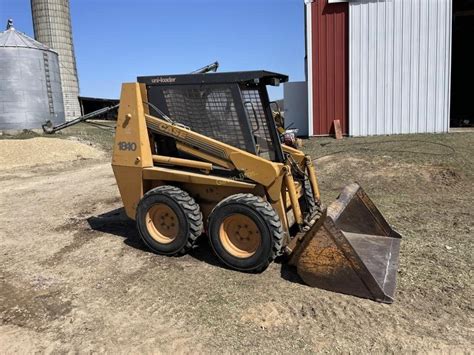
{"x": 399, "y": 66}
{"x": 329, "y": 42}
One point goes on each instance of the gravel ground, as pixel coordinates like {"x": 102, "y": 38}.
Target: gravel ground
{"x": 74, "y": 277}
{"x": 43, "y": 151}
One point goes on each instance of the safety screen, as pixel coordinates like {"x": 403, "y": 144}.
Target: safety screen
{"x": 209, "y": 110}
{"x": 259, "y": 124}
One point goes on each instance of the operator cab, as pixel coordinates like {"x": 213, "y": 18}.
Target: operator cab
{"x": 232, "y": 107}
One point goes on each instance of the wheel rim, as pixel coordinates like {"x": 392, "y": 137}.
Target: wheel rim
{"x": 162, "y": 223}
{"x": 240, "y": 236}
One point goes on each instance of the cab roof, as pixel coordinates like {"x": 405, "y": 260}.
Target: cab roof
{"x": 243, "y": 77}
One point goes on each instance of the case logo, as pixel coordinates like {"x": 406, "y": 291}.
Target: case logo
{"x": 176, "y": 132}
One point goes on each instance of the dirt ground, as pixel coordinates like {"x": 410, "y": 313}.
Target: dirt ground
{"x": 74, "y": 276}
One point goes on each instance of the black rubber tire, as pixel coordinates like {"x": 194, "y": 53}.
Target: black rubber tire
{"x": 267, "y": 221}
{"x": 189, "y": 219}
{"x": 311, "y": 203}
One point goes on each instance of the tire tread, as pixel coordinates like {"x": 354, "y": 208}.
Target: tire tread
{"x": 190, "y": 208}
{"x": 271, "y": 217}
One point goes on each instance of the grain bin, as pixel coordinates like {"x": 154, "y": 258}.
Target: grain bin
{"x": 52, "y": 26}
{"x": 30, "y": 82}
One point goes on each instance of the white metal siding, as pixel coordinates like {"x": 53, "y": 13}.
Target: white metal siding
{"x": 399, "y": 66}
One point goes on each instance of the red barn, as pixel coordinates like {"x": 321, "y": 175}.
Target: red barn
{"x": 388, "y": 66}
{"x": 327, "y": 65}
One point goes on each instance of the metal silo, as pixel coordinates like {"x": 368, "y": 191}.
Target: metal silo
{"x": 30, "y": 82}
{"x": 52, "y": 26}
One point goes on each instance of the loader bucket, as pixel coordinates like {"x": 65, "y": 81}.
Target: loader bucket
{"x": 352, "y": 250}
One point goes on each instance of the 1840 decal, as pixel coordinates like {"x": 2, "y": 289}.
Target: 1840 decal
{"x": 130, "y": 146}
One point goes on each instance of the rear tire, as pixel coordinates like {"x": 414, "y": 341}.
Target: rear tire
{"x": 245, "y": 232}
{"x": 169, "y": 220}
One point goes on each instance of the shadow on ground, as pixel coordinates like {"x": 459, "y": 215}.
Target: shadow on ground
{"x": 288, "y": 273}
{"x": 117, "y": 223}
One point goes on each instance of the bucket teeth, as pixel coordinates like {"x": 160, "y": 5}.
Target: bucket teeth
{"x": 353, "y": 250}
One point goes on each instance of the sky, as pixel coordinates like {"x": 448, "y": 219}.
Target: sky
{"x": 116, "y": 40}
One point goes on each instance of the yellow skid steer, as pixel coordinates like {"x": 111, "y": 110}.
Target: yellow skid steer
{"x": 200, "y": 154}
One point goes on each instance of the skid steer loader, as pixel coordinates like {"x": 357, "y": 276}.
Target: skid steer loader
{"x": 200, "y": 153}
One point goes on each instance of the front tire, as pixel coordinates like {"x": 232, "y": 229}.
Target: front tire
{"x": 311, "y": 204}
{"x": 169, "y": 220}
{"x": 245, "y": 232}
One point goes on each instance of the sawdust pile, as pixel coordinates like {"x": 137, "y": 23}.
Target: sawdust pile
{"x": 16, "y": 153}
